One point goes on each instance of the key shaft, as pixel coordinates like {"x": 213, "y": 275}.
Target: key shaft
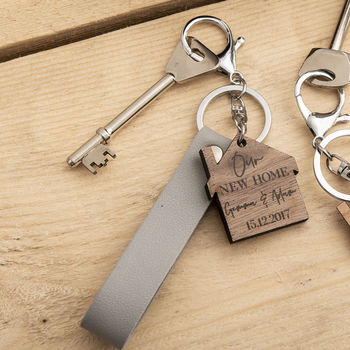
{"x": 104, "y": 134}
{"x": 180, "y": 68}
{"x": 342, "y": 27}
{"x": 140, "y": 103}
{"x": 332, "y": 60}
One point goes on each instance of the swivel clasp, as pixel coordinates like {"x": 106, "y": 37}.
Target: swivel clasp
{"x": 320, "y": 123}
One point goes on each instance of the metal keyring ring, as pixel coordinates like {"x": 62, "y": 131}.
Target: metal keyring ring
{"x": 196, "y": 20}
{"x": 229, "y": 88}
{"x": 317, "y": 166}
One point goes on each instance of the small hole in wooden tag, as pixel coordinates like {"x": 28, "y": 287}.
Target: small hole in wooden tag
{"x": 242, "y": 144}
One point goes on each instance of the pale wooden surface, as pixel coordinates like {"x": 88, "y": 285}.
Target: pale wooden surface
{"x": 62, "y": 230}
{"x": 29, "y": 26}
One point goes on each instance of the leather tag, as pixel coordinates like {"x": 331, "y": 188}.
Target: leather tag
{"x": 132, "y": 285}
{"x": 344, "y": 210}
{"x": 254, "y": 186}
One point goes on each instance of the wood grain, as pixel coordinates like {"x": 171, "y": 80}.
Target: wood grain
{"x": 62, "y": 230}
{"x": 30, "y": 26}
{"x": 254, "y": 187}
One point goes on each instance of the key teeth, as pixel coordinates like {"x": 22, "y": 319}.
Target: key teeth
{"x": 110, "y": 152}
{"x": 97, "y": 156}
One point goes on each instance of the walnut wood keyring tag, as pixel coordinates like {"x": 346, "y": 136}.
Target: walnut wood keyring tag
{"x": 254, "y": 186}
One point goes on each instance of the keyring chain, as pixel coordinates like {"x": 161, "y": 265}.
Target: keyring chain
{"x": 318, "y": 171}
{"x": 236, "y": 78}
{"x": 344, "y": 167}
{"x": 238, "y": 109}
{"x": 239, "y": 116}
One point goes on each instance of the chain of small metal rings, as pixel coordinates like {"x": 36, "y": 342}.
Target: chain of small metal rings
{"x": 240, "y": 120}
{"x": 330, "y": 156}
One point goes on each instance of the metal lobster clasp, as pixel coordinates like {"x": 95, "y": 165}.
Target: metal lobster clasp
{"x": 320, "y": 123}
{"x": 226, "y": 59}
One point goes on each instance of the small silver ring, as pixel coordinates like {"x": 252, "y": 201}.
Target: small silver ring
{"x": 217, "y": 21}
{"x": 243, "y": 83}
{"x": 316, "y": 143}
{"x": 237, "y": 73}
{"x": 229, "y": 88}
{"x": 317, "y": 166}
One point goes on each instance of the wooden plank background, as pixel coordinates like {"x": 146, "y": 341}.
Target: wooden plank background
{"x": 30, "y": 26}
{"x": 62, "y": 230}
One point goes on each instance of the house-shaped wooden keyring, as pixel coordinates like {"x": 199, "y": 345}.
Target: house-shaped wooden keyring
{"x": 254, "y": 186}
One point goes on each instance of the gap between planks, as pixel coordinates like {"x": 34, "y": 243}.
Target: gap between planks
{"x": 94, "y": 28}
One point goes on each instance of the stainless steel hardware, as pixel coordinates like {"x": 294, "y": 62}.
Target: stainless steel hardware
{"x": 181, "y": 67}
{"x": 332, "y": 60}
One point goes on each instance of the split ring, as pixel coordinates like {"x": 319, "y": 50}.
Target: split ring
{"x": 229, "y": 88}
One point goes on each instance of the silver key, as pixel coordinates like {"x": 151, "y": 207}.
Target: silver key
{"x": 181, "y": 67}
{"x": 331, "y": 60}
{"x": 189, "y": 59}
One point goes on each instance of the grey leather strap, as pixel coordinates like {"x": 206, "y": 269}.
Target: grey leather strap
{"x": 145, "y": 263}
